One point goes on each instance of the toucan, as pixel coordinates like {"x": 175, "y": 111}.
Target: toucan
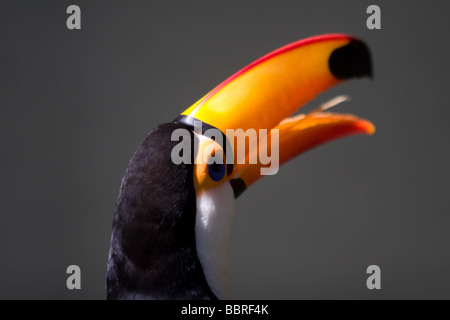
{"x": 172, "y": 219}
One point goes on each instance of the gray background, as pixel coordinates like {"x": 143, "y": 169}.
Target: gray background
{"x": 76, "y": 104}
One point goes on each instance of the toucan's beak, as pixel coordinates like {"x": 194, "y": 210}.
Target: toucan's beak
{"x": 267, "y": 92}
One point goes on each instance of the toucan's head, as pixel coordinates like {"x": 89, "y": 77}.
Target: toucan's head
{"x": 176, "y": 203}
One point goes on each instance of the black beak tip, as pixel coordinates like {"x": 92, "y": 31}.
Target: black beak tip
{"x": 351, "y": 61}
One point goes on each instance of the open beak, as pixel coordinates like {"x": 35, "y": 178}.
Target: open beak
{"x": 266, "y": 93}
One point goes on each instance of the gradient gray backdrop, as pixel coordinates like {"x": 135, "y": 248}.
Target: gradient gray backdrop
{"x": 76, "y": 104}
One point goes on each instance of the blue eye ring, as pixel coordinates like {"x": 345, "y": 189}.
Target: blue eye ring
{"x": 216, "y": 171}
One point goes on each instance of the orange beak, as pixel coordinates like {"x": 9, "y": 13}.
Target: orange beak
{"x": 267, "y": 92}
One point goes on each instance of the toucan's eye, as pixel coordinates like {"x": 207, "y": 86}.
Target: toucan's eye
{"x": 216, "y": 171}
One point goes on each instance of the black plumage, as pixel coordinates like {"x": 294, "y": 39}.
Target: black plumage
{"x": 153, "y": 253}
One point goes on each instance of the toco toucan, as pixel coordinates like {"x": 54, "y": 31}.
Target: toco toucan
{"x": 173, "y": 218}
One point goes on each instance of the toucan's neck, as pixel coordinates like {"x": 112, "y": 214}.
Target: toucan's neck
{"x": 215, "y": 213}
{"x": 153, "y": 252}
